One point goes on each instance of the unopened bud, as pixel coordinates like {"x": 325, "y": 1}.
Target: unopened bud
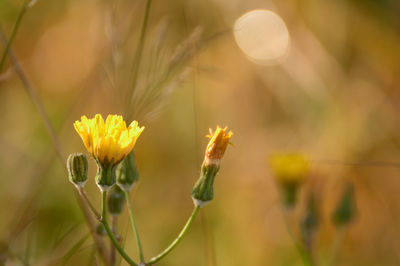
{"x": 203, "y": 190}
{"x": 347, "y": 208}
{"x": 290, "y": 171}
{"x": 127, "y": 173}
{"x": 101, "y": 230}
{"x": 309, "y": 222}
{"x": 77, "y": 166}
{"x": 115, "y": 201}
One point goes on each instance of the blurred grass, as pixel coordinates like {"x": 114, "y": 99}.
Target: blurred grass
{"x": 335, "y": 97}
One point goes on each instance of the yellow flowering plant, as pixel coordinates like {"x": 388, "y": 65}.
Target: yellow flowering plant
{"x": 109, "y": 142}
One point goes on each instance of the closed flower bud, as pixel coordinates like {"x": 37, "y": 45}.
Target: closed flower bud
{"x": 203, "y": 191}
{"x": 101, "y": 230}
{"x": 77, "y": 166}
{"x": 290, "y": 171}
{"x": 115, "y": 201}
{"x": 127, "y": 173}
{"x": 347, "y": 208}
{"x": 310, "y": 221}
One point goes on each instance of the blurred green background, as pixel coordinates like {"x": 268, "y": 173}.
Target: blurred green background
{"x": 334, "y": 96}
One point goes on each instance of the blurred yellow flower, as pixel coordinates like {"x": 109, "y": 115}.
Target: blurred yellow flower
{"x": 109, "y": 142}
{"x": 216, "y": 147}
{"x": 290, "y": 169}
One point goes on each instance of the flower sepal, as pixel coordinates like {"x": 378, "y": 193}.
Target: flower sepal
{"x": 203, "y": 190}
{"x": 105, "y": 176}
{"x": 289, "y": 195}
{"x": 127, "y": 173}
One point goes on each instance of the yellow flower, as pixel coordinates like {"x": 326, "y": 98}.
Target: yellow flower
{"x": 290, "y": 169}
{"x": 109, "y": 142}
{"x": 216, "y": 147}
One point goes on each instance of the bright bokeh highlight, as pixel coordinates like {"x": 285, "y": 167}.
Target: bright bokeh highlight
{"x": 262, "y": 35}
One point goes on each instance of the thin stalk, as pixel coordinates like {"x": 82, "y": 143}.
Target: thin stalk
{"x": 208, "y": 241}
{"x": 35, "y": 99}
{"x": 92, "y": 228}
{"x": 60, "y": 152}
{"x": 336, "y": 245}
{"x": 176, "y": 241}
{"x": 103, "y": 206}
{"x": 13, "y": 33}
{"x": 134, "y": 228}
{"x": 139, "y": 50}
{"x": 114, "y": 225}
{"x": 83, "y": 194}
{"x": 116, "y": 244}
{"x": 110, "y": 234}
{"x": 305, "y": 256}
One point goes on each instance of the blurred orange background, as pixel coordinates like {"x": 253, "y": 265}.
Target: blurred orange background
{"x": 333, "y": 95}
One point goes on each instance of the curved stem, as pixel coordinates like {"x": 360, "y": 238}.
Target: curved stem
{"x": 83, "y": 202}
{"x": 114, "y": 224}
{"x": 336, "y": 245}
{"x": 176, "y": 241}
{"x": 117, "y": 245}
{"x": 83, "y": 194}
{"x": 13, "y": 32}
{"x": 305, "y": 256}
{"x": 134, "y": 228}
{"x": 103, "y": 220}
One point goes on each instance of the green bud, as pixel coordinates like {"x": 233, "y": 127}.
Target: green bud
{"x": 105, "y": 177}
{"x": 77, "y": 166}
{"x": 309, "y": 222}
{"x": 127, "y": 173}
{"x": 347, "y": 208}
{"x": 101, "y": 230}
{"x": 203, "y": 191}
{"x": 115, "y": 201}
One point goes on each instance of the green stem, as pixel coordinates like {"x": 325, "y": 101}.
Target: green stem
{"x": 13, "y": 32}
{"x": 117, "y": 245}
{"x": 114, "y": 230}
{"x": 176, "y": 241}
{"x": 103, "y": 206}
{"x": 134, "y": 228}
{"x": 336, "y": 245}
{"x": 110, "y": 233}
{"x": 91, "y": 207}
{"x": 305, "y": 256}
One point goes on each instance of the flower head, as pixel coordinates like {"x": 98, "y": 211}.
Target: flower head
{"x": 203, "y": 190}
{"x": 216, "y": 147}
{"x": 290, "y": 168}
{"x": 109, "y": 142}
{"x": 290, "y": 172}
